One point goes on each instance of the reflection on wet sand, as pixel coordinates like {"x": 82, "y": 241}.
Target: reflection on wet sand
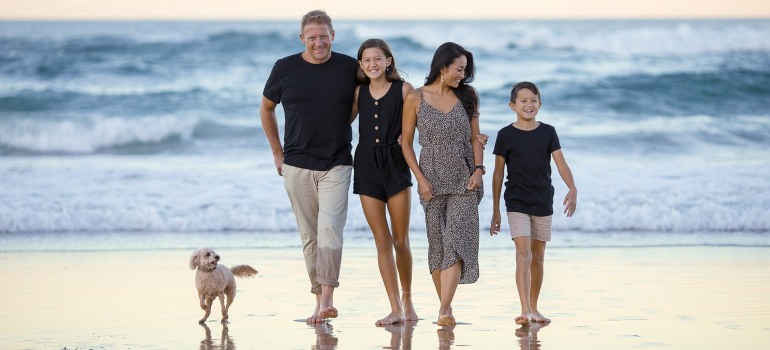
{"x": 225, "y": 342}
{"x": 401, "y": 335}
{"x": 446, "y": 337}
{"x": 527, "y": 335}
{"x": 325, "y": 339}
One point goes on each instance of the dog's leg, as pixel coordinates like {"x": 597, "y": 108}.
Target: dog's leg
{"x": 224, "y": 308}
{"x": 207, "y": 308}
{"x": 202, "y": 299}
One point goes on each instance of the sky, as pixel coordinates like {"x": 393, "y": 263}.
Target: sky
{"x": 393, "y": 9}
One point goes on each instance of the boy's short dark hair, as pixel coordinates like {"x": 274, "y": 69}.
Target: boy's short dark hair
{"x": 524, "y": 85}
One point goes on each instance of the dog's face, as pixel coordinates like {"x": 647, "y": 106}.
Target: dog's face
{"x": 205, "y": 259}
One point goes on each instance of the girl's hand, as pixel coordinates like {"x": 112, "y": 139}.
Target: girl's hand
{"x": 483, "y": 139}
{"x": 494, "y": 228}
{"x": 425, "y": 189}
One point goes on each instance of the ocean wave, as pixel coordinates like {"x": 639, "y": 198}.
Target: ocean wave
{"x": 81, "y": 137}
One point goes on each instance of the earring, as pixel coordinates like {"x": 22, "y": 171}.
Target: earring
{"x": 442, "y": 79}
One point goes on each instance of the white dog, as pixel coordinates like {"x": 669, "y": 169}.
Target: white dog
{"x": 214, "y": 280}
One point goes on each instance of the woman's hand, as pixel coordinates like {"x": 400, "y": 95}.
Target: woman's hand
{"x": 475, "y": 181}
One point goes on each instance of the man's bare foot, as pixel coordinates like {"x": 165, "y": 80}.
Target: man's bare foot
{"x": 522, "y": 319}
{"x": 328, "y": 312}
{"x": 409, "y": 313}
{"x": 539, "y": 318}
{"x": 315, "y": 318}
{"x": 394, "y": 317}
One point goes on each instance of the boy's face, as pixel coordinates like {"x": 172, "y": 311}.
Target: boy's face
{"x": 526, "y": 105}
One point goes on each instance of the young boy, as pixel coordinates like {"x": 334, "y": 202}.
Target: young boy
{"x": 525, "y": 148}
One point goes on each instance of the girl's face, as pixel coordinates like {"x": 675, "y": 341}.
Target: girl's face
{"x": 455, "y": 72}
{"x": 373, "y": 62}
{"x": 526, "y": 105}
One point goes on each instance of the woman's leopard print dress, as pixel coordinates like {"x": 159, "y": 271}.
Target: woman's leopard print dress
{"x": 452, "y": 215}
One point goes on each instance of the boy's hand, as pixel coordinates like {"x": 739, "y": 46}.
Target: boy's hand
{"x": 570, "y": 202}
{"x": 494, "y": 228}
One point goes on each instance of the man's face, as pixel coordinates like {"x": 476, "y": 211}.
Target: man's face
{"x": 318, "y": 42}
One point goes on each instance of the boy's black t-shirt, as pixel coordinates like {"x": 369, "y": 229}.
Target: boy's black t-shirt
{"x": 317, "y": 102}
{"x": 527, "y": 154}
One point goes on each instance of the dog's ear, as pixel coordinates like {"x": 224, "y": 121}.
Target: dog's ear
{"x": 194, "y": 260}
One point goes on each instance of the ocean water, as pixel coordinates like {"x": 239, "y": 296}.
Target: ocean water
{"x": 111, "y": 131}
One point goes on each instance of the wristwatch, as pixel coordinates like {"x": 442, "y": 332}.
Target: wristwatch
{"x": 482, "y": 167}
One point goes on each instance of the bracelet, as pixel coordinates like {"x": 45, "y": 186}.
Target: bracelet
{"x": 482, "y": 167}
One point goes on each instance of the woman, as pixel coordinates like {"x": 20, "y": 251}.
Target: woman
{"x": 445, "y": 111}
{"x": 381, "y": 177}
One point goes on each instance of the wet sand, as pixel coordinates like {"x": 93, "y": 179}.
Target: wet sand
{"x": 598, "y": 298}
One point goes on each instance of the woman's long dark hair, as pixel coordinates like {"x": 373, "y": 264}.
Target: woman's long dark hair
{"x": 442, "y": 58}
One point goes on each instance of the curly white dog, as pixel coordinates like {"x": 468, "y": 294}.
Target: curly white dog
{"x": 214, "y": 280}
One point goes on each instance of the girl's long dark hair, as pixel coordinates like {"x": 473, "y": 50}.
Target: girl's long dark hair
{"x": 391, "y": 73}
{"x": 442, "y": 58}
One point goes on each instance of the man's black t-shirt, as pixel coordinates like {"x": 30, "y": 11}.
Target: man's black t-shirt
{"x": 317, "y": 102}
{"x": 527, "y": 154}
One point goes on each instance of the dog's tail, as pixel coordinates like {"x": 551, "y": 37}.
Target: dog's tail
{"x": 243, "y": 270}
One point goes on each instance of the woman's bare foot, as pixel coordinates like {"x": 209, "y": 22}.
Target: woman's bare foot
{"x": 394, "y": 317}
{"x": 409, "y": 313}
{"x": 539, "y": 318}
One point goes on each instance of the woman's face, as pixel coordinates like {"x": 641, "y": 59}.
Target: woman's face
{"x": 373, "y": 62}
{"x": 455, "y": 72}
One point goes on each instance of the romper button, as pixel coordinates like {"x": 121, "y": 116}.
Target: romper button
{"x": 376, "y": 127}
{"x": 376, "y": 116}
{"x": 376, "y": 103}
{"x": 377, "y": 140}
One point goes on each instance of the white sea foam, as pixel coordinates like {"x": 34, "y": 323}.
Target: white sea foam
{"x": 242, "y": 193}
{"x": 72, "y": 136}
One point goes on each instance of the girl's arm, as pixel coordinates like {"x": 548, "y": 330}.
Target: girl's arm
{"x": 497, "y": 187}
{"x": 570, "y": 200}
{"x": 408, "y": 126}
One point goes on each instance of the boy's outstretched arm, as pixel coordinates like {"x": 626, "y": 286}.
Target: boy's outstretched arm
{"x": 570, "y": 200}
{"x": 497, "y": 186}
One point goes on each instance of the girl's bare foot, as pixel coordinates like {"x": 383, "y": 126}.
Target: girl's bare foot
{"x": 539, "y": 318}
{"x": 409, "y": 313}
{"x": 394, "y": 317}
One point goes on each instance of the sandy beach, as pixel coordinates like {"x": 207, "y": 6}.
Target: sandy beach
{"x": 695, "y": 297}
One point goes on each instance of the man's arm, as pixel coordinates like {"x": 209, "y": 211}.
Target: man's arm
{"x": 270, "y": 127}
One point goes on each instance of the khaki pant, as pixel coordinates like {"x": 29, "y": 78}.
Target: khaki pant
{"x": 319, "y": 200}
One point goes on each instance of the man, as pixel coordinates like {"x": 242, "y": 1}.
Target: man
{"x": 316, "y": 88}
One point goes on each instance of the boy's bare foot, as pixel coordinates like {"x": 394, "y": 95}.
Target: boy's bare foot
{"x": 328, "y": 312}
{"x": 409, "y": 313}
{"x": 522, "y": 319}
{"x": 539, "y": 318}
{"x": 394, "y": 317}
